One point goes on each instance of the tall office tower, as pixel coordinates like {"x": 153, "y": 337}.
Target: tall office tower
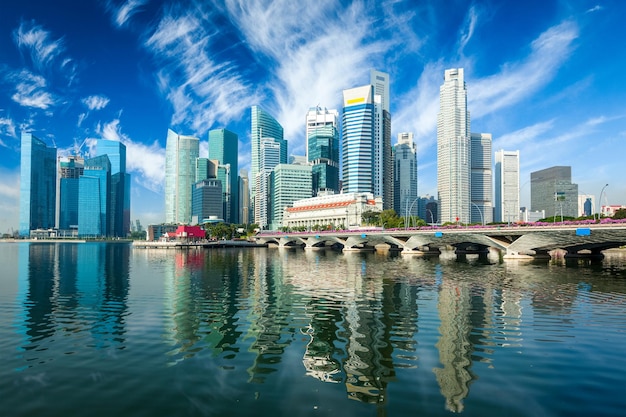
{"x": 383, "y": 158}
{"x": 405, "y": 176}
{"x": 269, "y": 157}
{"x": 224, "y": 146}
{"x": 244, "y": 197}
{"x": 263, "y": 125}
{"x": 288, "y": 183}
{"x": 323, "y": 156}
{"x": 206, "y": 200}
{"x": 586, "y": 205}
{"x": 70, "y": 171}
{"x": 119, "y": 220}
{"x": 181, "y": 153}
{"x": 38, "y": 173}
{"x": 206, "y": 168}
{"x": 357, "y": 134}
{"x": 453, "y": 149}
{"x": 481, "y": 192}
{"x": 94, "y": 191}
{"x": 316, "y": 118}
{"x": 507, "y": 199}
{"x": 223, "y": 175}
{"x": 551, "y": 189}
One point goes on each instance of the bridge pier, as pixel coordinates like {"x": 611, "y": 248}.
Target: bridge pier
{"x": 592, "y": 254}
{"x": 423, "y": 251}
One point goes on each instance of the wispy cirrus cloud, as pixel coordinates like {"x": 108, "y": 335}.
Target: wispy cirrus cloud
{"x": 31, "y": 90}
{"x": 202, "y": 91}
{"x": 122, "y": 13}
{"x": 7, "y": 129}
{"x": 95, "y": 102}
{"x": 520, "y": 80}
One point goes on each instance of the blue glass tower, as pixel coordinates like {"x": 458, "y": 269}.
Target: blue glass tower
{"x": 94, "y": 190}
{"x": 358, "y": 140}
{"x": 323, "y": 154}
{"x": 70, "y": 171}
{"x": 38, "y": 175}
{"x": 119, "y": 209}
{"x": 224, "y": 146}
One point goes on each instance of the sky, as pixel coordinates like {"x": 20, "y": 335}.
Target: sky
{"x": 545, "y": 77}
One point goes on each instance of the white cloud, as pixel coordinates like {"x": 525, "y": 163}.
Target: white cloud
{"x": 122, "y": 14}
{"x": 520, "y": 80}
{"x": 201, "y": 90}
{"x": 521, "y": 137}
{"x": 595, "y": 8}
{"x": 7, "y": 128}
{"x": 95, "y": 102}
{"x": 146, "y": 161}
{"x": 37, "y": 41}
{"x": 468, "y": 31}
{"x": 31, "y": 90}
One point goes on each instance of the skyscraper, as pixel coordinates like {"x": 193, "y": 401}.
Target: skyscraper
{"x": 70, "y": 171}
{"x": 181, "y": 153}
{"x": 481, "y": 178}
{"x": 94, "y": 192}
{"x": 206, "y": 200}
{"x": 269, "y": 157}
{"x": 263, "y": 125}
{"x": 383, "y": 158}
{"x": 119, "y": 209}
{"x": 322, "y": 138}
{"x": 453, "y": 149}
{"x": 357, "y": 133}
{"x": 38, "y": 173}
{"x": 244, "y": 194}
{"x": 289, "y": 183}
{"x": 224, "y": 146}
{"x": 552, "y": 190}
{"x": 405, "y": 176}
{"x": 507, "y": 198}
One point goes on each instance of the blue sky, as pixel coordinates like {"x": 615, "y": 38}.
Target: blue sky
{"x": 545, "y": 77}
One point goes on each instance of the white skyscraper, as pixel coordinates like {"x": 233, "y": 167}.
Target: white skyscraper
{"x": 481, "y": 179}
{"x": 383, "y": 158}
{"x": 453, "y": 149}
{"x": 507, "y": 192}
{"x": 269, "y": 157}
{"x": 181, "y": 153}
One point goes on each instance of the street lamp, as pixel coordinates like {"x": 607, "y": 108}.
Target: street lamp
{"x": 482, "y": 219}
{"x": 432, "y": 218}
{"x": 600, "y": 199}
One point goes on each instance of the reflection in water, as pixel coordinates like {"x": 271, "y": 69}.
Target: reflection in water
{"x": 70, "y": 289}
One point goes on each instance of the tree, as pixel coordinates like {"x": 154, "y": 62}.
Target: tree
{"x": 389, "y": 219}
{"x": 620, "y": 214}
{"x": 370, "y": 217}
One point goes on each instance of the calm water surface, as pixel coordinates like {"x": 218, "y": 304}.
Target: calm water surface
{"x": 106, "y": 330}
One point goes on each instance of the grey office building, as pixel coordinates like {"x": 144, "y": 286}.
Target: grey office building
{"x": 551, "y": 189}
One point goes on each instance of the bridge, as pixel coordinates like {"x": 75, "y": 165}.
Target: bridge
{"x": 516, "y": 241}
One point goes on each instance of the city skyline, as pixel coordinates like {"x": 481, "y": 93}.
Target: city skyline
{"x": 541, "y": 78}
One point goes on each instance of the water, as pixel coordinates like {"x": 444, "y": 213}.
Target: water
{"x": 104, "y": 330}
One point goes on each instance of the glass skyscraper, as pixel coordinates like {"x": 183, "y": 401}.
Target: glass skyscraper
{"x": 94, "y": 192}
{"x": 224, "y": 147}
{"x": 70, "y": 171}
{"x": 405, "y": 176}
{"x": 38, "y": 188}
{"x": 453, "y": 149}
{"x": 263, "y": 125}
{"x": 481, "y": 178}
{"x": 119, "y": 202}
{"x": 357, "y": 134}
{"x": 383, "y": 158}
{"x": 181, "y": 153}
{"x": 323, "y": 156}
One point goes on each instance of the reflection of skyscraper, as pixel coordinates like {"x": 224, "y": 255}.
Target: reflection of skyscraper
{"x": 181, "y": 153}
{"x": 453, "y": 149}
{"x": 37, "y": 185}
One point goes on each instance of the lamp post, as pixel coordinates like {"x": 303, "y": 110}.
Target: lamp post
{"x": 600, "y": 200}
{"x": 482, "y": 219}
{"x": 411, "y": 208}
{"x": 432, "y": 218}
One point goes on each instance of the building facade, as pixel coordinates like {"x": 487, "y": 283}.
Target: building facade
{"x": 206, "y": 200}
{"x": 507, "y": 192}
{"x": 94, "y": 198}
{"x": 453, "y": 149}
{"x": 224, "y": 146}
{"x": 38, "y": 173}
{"x": 119, "y": 200}
{"x": 269, "y": 157}
{"x": 244, "y": 197}
{"x": 405, "y": 176}
{"x": 323, "y": 156}
{"x": 69, "y": 172}
{"x": 289, "y": 183}
{"x": 383, "y": 158}
{"x": 333, "y": 211}
{"x": 263, "y": 125}
{"x": 481, "y": 179}
{"x": 357, "y": 133}
{"x": 552, "y": 191}
{"x": 181, "y": 153}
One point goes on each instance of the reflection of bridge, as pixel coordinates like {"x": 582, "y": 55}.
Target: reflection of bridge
{"x": 587, "y": 240}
